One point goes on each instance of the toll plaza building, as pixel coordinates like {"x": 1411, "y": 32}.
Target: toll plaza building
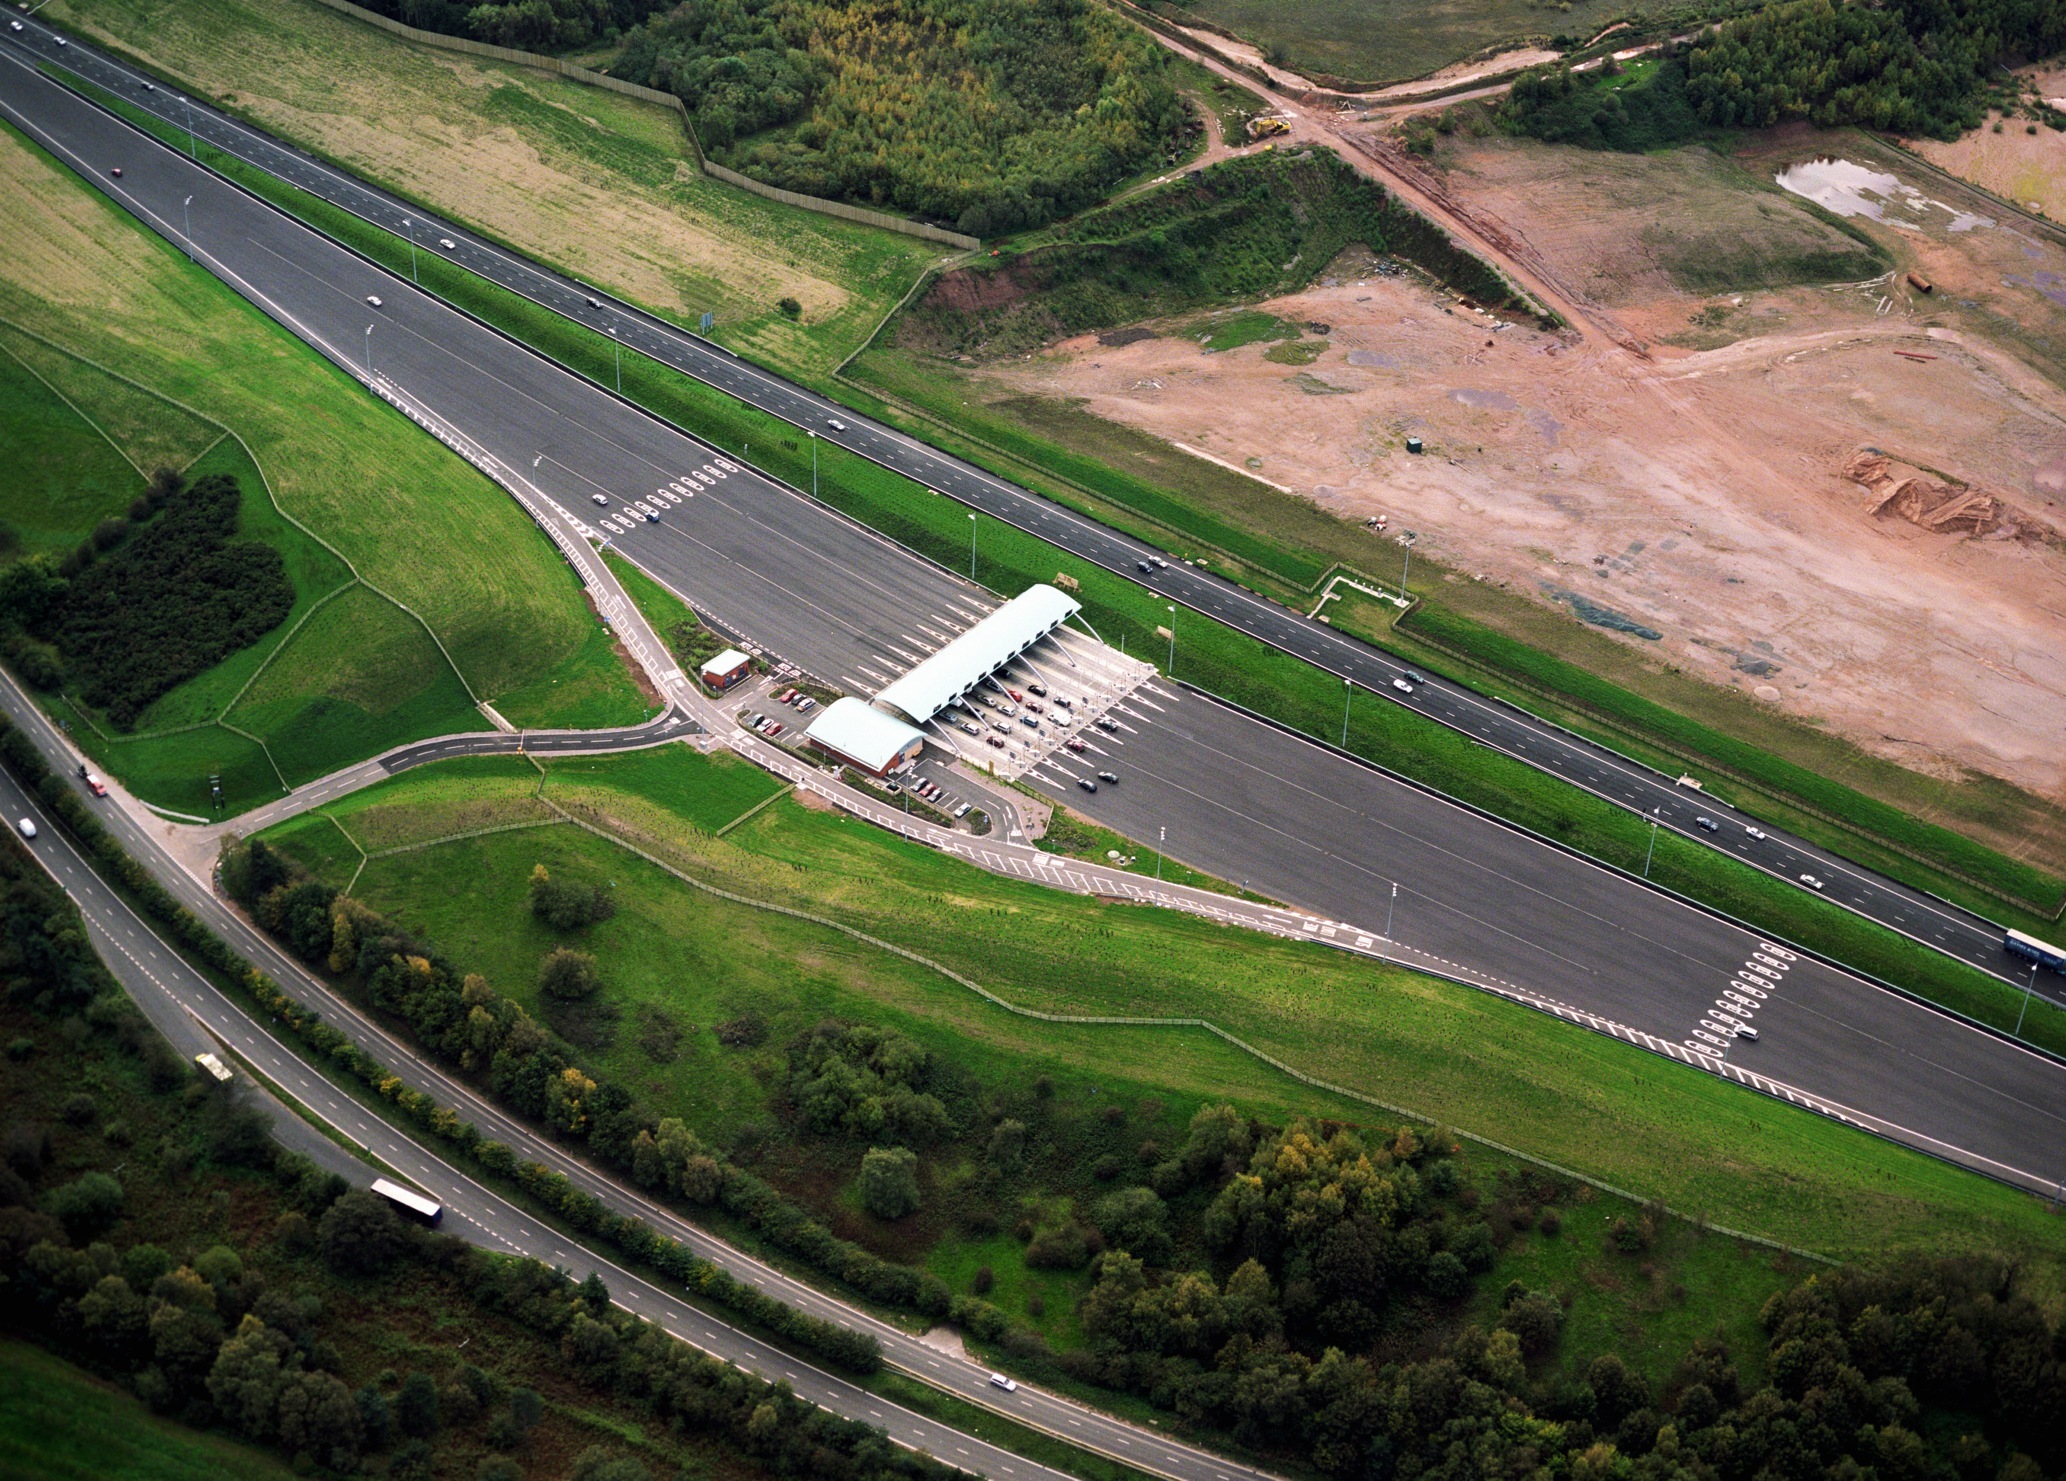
{"x": 883, "y": 735}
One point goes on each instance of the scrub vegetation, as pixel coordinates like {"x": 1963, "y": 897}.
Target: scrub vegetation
{"x": 335, "y": 476}
{"x": 212, "y": 1289}
{"x": 1110, "y": 1228}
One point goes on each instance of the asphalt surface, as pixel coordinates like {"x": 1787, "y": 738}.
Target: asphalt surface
{"x": 493, "y": 1219}
{"x": 1945, "y": 927}
{"x": 833, "y": 597}
{"x": 671, "y": 724}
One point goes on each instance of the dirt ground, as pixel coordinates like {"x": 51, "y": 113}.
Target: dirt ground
{"x": 1702, "y": 494}
{"x": 2025, "y": 167}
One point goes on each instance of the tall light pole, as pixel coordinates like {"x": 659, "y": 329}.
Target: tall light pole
{"x": 2028, "y": 988}
{"x": 1161, "y": 838}
{"x": 617, "y": 351}
{"x": 814, "y": 462}
{"x": 1172, "y": 642}
{"x": 1384, "y": 953}
{"x": 1348, "y": 692}
{"x": 369, "y": 349}
{"x": 971, "y": 547}
{"x": 409, "y": 227}
{"x": 1407, "y": 566}
{"x": 193, "y": 149}
{"x": 1652, "y": 849}
{"x": 187, "y": 208}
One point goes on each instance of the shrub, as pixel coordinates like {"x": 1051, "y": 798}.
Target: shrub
{"x": 889, "y": 1182}
{"x": 1066, "y": 1247}
{"x": 359, "y": 1234}
{"x": 566, "y": 906}
{"x": 568, "y": 975}
{"x": 86, "y": 1205}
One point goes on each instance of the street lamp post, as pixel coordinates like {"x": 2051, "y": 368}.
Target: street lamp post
{"x": 187, "y": 208}
{"x": 1407, "y": 566}
{"x": 369, "y": 349}
{"x": 1384, "y": 953}
{"x": 1172, "y": 642}
{"x": 971, "y": 547}
{"x": 814, "y": 462}
{"x": 409, "y": 228}
{"x": 192, "y": 148}
{"x": 1161, "y": 839}
{"x": 1652, "y": 849}
{"x": 2028, "y": 988}
{"x": 1348, "y": 693}
{"x": 617, "y": 353}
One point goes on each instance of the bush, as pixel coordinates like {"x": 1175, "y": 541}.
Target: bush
{"x": 1136, "y": 1220}
{"x": 790, "y": 308}
{"x": 359, "y": 1234}
{"x": 1064, "y": 1248}
{"x": 569, "y": 976}
{"x": 889, "y": 1182}
{"x": 86, "y": 1205}
{"x": 566, "y": 906}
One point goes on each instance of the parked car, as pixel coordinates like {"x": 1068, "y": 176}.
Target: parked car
{"x": 961, "y": 811}
{"x": 806, "y": 704}
{"x": 775, "y": 729}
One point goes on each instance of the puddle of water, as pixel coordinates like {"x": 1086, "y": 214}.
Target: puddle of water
{"x": 1848, "y": 189}
{"x": 1545, "y": 424}
{"x": 1372, "y": 360}
{"x": 1488, "y": 400}
{"x": 2050, "y": 285}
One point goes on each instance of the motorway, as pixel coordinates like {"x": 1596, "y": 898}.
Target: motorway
{"x": 1945, "y": 927}
{"x": 1310, "y": 826}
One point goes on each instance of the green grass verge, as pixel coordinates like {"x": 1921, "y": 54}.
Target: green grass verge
{"x": 63, "y": 476}
{"x": 678, "y": 961}
{"x": 1216, "y": 657}
{"x": 58, "y": 1423}
{"x": 592, "y": 690}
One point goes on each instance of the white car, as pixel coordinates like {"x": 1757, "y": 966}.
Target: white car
{"x": 835, "y": 424}
{"x": 998, "y": 1380}
{"x": 28, "y": 827}
{"x": 448, "y": 244}
{"x": 1811, "y": 881}
{"x": 602, "y": 499}
{"x": 1750, "y": 832}
{"x": 1402, "y": 686}
{"x": 374, "y": 299}
{"x": 1745, "y": 1031}
{"x": 14, "y": 25}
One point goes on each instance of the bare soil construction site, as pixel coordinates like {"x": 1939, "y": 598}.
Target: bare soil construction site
{"x": 1848, "y": 499}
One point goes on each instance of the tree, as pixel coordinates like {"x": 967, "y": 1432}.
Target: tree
{"x": 376, "y": 1417}
{"x": 246, "y": 1379}
{"x": 597, "y": 1464}
{"x": 1136, "y": 1220}
{"x": 790, "y": 308}
{"x": 86, "y": 1205}
{"x": 595, "y": 1295}
{"x": 525, "y": 1407}
{"x": 416, "y": 1407}
{"x": 889, "y": 1182}
{"x": 1008, "y": 1145}
{"x": 568, "y": 975}
{"x": 359, "y": 1234}
{"x": 566, "y": 906}
{"x": 30, "y": 590}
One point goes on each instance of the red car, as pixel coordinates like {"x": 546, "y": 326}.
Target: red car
{"x": 95, "y": 785}
{"x": 1074, "y": 744}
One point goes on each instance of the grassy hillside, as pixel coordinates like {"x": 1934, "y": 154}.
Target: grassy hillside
{"x": 600, "y": 185}
{"x": 84, "y": 288}
{"x": 678, "y": 963}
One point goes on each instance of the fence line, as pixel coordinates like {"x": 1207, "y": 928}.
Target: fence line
{"x": 579, "y": 73}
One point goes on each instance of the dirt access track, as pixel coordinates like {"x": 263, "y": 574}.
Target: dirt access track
{"x": 1701, "y": 494}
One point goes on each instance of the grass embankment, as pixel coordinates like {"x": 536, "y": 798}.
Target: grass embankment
{"x": 600, "y": 185}
{"x": 84, "y": 287}
{"x": 1211, "y": 655}
{"x": 678, "y": 962}
{"x": 60, "y": 1424}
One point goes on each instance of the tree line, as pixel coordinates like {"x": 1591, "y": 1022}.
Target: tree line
{"x": 147, "y": 601}
{"x": 1917, "y": 67}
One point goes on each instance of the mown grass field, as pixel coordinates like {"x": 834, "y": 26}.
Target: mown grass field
{"x": 84, "y": 287}
{"x": 1479, "y": 1063}
{"x": 600, "y": 185}
{"x": 58, "y": 1423}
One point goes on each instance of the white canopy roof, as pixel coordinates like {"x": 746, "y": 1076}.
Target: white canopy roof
{"x": 982, "y": 650}
{"x": 862, "y": 733}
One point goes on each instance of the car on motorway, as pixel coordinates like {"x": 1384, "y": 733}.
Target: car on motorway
{"x": 448, "y": 244}
{"x": 1074, "y": 744}
{"x": 835, "y": 424}
{"x": 373, "y": 299}
{"x": 14, "y": 25}
{"x": 95, "y": 785}
{"x": 1750, "y": 832}
{"x": 1111, "y": 777}
{"x": 591, "y": 303}
{"x": 150, "y": 87}
{"x": 1811, "y": 881}
{"x": 1087, "y": 784}
{"x": 1106, "y": 722}
{"x": 1691, "y": 784}
{"x": 62, "y": 42}
{"x": 116, "y": 172}
{"x": 1414, "y": 677}
{"x": 1144, "y": 568}
{"x": 28, "y": 827}
{"x": 652, "y": 516}
{"x": 1707, "y": 824}
{"x": 998, "y": 1380}
{"x": 1745, "y": 1031}
{"x": 1160, "y": 563}
{"x": 1402, "y": 686}
{"x": 602, "y": 499}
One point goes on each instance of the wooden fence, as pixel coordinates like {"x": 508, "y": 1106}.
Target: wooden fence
{"x": 592, "y": 78}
